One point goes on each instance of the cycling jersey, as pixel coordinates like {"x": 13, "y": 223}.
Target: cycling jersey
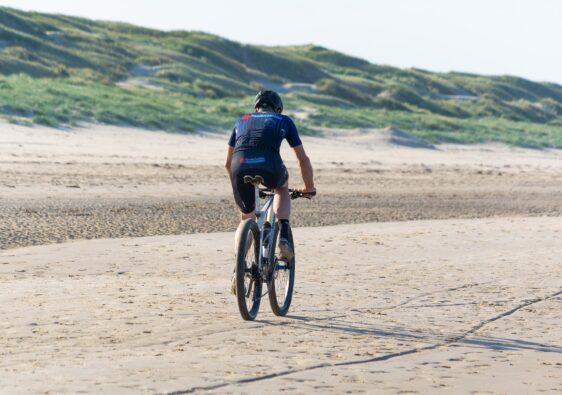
{"x": 263, "y": 131}
{"x": 256, "y": 139}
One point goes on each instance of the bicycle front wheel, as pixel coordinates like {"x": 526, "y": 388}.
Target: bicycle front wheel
{"x": 282, "y": 279}
{"x": 248, "y": 278}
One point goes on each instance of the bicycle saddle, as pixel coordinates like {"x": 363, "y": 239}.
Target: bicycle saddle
{"x": 254, "y": 180}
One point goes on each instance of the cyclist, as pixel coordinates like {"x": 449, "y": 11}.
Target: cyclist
{"x": 253, "y": 149}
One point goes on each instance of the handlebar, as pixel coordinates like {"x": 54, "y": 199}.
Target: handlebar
{"x": 264, "y": 192}
{"x": 299, "y": 194}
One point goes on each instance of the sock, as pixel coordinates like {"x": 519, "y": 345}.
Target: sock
{"x": 284, "y": 228}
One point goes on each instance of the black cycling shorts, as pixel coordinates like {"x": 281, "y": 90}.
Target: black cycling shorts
{"x": 269, "y": 166}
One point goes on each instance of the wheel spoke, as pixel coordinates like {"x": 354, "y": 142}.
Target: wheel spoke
{"x": 282, "y": 279}
{"x": 249, "y": 296}
{"x": 249, "y": 288}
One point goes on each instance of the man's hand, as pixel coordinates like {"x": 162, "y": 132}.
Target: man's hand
{"x": 304, "y": 192}
{"x": 307, "y": 191}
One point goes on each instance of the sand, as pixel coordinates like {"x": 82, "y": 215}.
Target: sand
{"x": 446, "y": 277}
{"x": 101, "y": 181}
{"x": 438, "y": 306}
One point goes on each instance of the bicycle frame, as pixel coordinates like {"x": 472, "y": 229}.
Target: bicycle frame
{"x": 264, "y": 214}
{"x": 264, "y": 270}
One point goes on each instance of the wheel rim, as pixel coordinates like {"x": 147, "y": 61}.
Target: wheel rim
{"x": 250, "y": 285}
{"x": 281, "y": 279}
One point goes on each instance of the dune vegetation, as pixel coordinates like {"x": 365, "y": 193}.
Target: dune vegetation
{"x": 59, "y": 70}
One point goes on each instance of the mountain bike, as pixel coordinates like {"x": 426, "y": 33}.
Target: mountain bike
{"x": 257, "y": 257}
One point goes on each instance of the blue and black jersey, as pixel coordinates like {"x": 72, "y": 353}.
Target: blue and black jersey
{"x": 256, "y": 139}
{"x": 263, "y": 132}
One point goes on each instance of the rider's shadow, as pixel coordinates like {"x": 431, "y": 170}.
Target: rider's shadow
{"x": 339, "y": 325}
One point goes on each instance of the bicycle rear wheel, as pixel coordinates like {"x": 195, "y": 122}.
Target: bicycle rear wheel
{"x": 248, "y": 279}
{"x": 282, "y": 279}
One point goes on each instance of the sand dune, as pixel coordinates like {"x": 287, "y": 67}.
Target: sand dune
{"x": 469, "y": 306}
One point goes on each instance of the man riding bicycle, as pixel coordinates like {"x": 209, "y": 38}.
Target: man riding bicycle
{"x": 253, "y": 149}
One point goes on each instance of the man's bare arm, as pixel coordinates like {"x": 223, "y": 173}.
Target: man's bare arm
{"x": 305, "y": 168}
{"x": 229, "y": 153}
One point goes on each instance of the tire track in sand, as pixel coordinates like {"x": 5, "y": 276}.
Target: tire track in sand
{"x": 385, "y": 357}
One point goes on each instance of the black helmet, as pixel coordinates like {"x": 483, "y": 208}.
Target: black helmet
{"x": 269, "y": 98}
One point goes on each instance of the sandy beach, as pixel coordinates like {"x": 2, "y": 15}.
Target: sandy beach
{"x": 420, "y": 270}
{"x": 102, "y": 181}
{"x": 438, "y": 306}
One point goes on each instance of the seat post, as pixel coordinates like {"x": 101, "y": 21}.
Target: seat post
{"x": 257, "y": 197}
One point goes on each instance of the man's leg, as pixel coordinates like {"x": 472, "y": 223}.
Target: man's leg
{"x": 282, "y": 202}
{"x": 244, "y": 197}
{"x": 282, "y": 209}
{"x": 244, "y": 216}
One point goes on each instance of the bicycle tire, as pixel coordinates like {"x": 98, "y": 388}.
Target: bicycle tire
{"x": 281, "y": 309}
{"x": 248, "y": 230}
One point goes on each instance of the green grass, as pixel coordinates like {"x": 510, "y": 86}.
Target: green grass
{"x": 67, "y": 101}
{"x": 59, "y": 70}
{"x": 442, "y": 129}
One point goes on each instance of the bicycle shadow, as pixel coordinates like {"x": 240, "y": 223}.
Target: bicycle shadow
{"x": 404, "y": 334}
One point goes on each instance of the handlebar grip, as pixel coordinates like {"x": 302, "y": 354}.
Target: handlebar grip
{"x": 298, "y": 194}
